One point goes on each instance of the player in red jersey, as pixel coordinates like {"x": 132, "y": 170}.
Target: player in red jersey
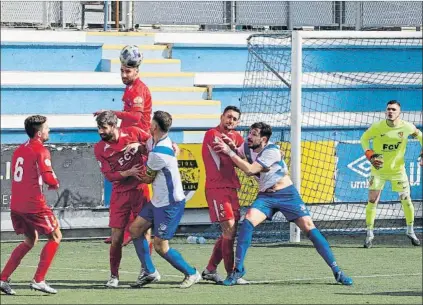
{"x": 122, "y": 168}
{"x": 221, "y": 188}
{"x": 31, "y": 166}
{"x": 137, "y": 108}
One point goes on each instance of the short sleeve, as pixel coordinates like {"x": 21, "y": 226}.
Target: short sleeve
{"x": 269, "y": 156}
{"x": 155, "y": 161}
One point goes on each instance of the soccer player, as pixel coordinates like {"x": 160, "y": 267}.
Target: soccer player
{"x": 166, "y": 208}
{"x": 31, "y": 166}
{"x": 221, "y": 188}
{"x": 390, "y": 137}
{"x": 276, "y": 193}
{"x": 137, "y": 103}
{"x": 122, "y": 167}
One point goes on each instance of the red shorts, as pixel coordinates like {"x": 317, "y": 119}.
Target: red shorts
{"x": 223, "y": 204}
{"x": 125, "y": 206}
{"x": 44, "y": 222}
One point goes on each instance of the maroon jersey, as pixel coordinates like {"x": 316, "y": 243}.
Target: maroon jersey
{"x": 29, "y": 161}
{"x": 136, "y": 98}
{"x": 112, "y": 158}
{"x": 220, "y": 170}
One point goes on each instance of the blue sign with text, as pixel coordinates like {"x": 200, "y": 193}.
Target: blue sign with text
{"x": 353, "y": 172}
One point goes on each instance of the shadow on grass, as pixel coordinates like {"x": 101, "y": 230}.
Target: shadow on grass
{"x": 389, "y": 293}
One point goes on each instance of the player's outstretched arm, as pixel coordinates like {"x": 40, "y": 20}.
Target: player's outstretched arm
{"x": 249, "y": 169}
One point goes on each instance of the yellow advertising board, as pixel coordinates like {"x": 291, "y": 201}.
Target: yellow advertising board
{"x": 317, "y": 174}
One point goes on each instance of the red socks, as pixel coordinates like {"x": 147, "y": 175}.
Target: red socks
{"x": 228, "y": 254}
{"x": 216, "y": 256}
{"x": 46, "y": 258}
{"x": 15, "y": 259}
{"x": 115, "y": 258}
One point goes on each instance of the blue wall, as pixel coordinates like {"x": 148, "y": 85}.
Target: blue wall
{"x": 234, "y": 59}
{"x": 327, "y": 99}
{"x": 17, "y": 56}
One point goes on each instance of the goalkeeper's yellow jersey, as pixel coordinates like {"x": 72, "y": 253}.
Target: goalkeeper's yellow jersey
{"x": 390, "y": 142}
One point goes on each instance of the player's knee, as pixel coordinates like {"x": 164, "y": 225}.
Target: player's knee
{"x": 56, "y": 236}
{"x": 31, "y": 242}
{"x": 229, "y": 231}
{"x": 133, "y": 231}
{"x": 160, "y": 246}
{"x": 404, "y": 195}
{"x": 305, "y": 223}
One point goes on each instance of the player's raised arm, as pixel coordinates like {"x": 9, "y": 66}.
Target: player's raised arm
{"x": 249, "y": 169}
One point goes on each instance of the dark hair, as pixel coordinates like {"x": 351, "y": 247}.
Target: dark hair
{"x": 33, "y": 124}
{"x": 233, "y": 108}
{"x": 106, "y": 118}
{"x": 265, "y": 129}
{"x": 163, "y": 119}
{"x": 393, "y": 102}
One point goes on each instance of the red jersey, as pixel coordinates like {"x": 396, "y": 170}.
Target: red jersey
{"x": 29, "y": 161}
{"x": 112, "y": 158}
{"x": 220, "y": 170}
{"x": 137, "y": 106}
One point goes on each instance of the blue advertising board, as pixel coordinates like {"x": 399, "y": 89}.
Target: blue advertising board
{"x": 353, "y": 172}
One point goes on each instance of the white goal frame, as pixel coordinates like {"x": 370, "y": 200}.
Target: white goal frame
{"x": 296, "y": 91}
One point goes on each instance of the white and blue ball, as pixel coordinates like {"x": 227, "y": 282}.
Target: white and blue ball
{"x": 131, "y": 56}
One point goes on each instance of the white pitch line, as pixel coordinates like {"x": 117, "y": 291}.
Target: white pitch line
{"x": 251, "y": 282}
{"x": 331, "y": 277}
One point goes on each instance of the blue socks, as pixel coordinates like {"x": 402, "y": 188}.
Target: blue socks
{"x": 322, "y": 246}
{"x": 143, "y": 252}
{"x": 177, "y": 261}
{"x": 244, "y": 242}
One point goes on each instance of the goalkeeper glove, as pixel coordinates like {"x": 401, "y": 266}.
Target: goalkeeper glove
{"x": 375, "y": 159}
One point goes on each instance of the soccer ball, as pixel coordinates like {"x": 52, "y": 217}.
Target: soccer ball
{"x": 131, "y": 56}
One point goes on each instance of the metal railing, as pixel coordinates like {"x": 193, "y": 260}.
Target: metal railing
{"x": 216, "y": 15}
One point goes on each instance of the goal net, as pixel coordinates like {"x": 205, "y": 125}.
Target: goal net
{"x": 320, "y": 92}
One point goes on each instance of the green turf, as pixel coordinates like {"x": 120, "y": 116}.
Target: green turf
{"x": 385, "y": 274}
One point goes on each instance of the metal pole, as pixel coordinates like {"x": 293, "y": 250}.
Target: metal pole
{"x": 358, "y": 15}
{"x": 289, "y": 12}
{"x": 129, "y": 12}
{"x": 117, "y": 15}
{"x": 45, "y": 14}
{"x": 296, "y": 86}
{"x": 233, "y": 15}
{"x": 106, "y": 14}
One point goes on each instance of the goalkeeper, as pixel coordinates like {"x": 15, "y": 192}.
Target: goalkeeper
{"x": 389, "y": 139}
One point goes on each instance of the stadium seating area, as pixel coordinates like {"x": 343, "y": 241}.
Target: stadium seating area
{"x": 193, "y": 81}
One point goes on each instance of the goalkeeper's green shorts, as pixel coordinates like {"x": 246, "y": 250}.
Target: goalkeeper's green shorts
{"x": 399, "y": 182}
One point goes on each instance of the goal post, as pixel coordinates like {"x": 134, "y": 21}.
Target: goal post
{"x": 320, "y": 91}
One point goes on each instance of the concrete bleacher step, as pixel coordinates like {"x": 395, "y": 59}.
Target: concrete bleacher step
{"x": 84, "y": 106}
{"x": 111, "y": 51}
{"x": 153, "y": 79}
{"x": 72, "y": 121}
{"x": 121, "y": 37}
{"x": 48, "y": 56}
{"x": 98, "y": 96}
{"x": 147, "y": 65}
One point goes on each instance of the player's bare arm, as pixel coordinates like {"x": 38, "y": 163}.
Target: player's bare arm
{"x": 135, "y": 171}
{"x": 249, "y": 169}
{"x": 149, "y": 176}
{"x": 229, "y": 142}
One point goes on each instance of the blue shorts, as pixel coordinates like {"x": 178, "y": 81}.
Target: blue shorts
{"x": 286, "y": 200}
{"x": 165, "y": 219}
